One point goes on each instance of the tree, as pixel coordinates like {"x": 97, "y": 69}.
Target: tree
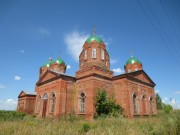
{"x": 158, "y": 102}
{"x": 105, "y": 105}
{"x": 167, "y": 108}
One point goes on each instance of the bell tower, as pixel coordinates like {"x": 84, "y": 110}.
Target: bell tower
{"x": 132, "y": 65}
{"x": 94, "y": 58}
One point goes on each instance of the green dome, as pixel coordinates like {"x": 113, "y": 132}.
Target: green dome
{"x": 59, "y": 61}
{"x": 47, "y": 64}
{"x": 132, "y": 60}
{"x": 94, "y": 37}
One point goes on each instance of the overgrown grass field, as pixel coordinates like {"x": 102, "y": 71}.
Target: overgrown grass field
{"x": 13, "y": 123}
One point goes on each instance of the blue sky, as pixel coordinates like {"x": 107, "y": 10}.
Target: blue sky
{"x": 31, "y": 31}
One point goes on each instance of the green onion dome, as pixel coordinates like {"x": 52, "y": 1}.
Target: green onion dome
{"x": 94, "y": 38}
{"x": 58, "y": 61}
{"x": 132, "y": 60}
{"x": 47, "y": 64}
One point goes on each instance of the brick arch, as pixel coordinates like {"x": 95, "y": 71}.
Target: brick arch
{"x": 150, "y": 97}
{"x": 53, "y": 93}
{"x": 45, "y": 95}
{"x": 151, "y": 104}
{"x": 82, "y": 102}
{"x": 135, "y": 102}
{"x": 39, "y": 96}
{"x": 143, "y": 103}
{"x": 136, "y": 93}
{"x": 52, "y": 102}
{"x": 82, "y": 91}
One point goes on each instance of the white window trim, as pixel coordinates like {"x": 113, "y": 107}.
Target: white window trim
{"x": 85, "y": 55}
{"x": 94, "y": 53}
{"x": 102, "y": 54}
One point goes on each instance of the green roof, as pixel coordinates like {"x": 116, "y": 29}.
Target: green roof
{"x": 58, "y": 60}
{"x": 132, "y": 60}
{"x": 94, "y": 37}
{"x": 47, "y": 64}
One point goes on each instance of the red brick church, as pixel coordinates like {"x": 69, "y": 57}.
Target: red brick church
{"x": 57, "y": 93}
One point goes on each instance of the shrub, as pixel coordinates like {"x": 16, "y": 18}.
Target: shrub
{"x": 158, "y": 102}
{"x": 105, "y": 105}
{"x": 11, "y": 115}
{"x": 167, "y": 108}
{"x": 86, "y": 127}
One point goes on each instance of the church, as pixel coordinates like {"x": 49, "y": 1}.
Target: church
{"x": 57, "y": 94}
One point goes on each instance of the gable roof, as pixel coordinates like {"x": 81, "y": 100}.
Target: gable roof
{"x": 57, "y": 76}
{"x": 132, "y": 75}
{"x": 27, "y": 93}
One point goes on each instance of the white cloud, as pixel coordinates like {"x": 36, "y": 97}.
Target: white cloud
{"x": 17, "y": 78}
{"x": 118, "y": 71}
{"x": 172, "y": 102}
{"x": 2, "y": 86}
{"x": 157, "y": 91}
{"x": 9, "y": 104}
{"x": 163, "y": 101}
{"x": 44, "y": 31}
{"x": 74, "y": 42}
{"x": 107, "y": 41}
{"x": 113, "y": 61}
{"x": 177, "y": 92}
{"x": 68, "y": 67}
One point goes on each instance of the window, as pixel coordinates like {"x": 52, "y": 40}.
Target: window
{"x": 136, "y": 69}
{"x": 39, "y": 104}
{"x": 45, "y": 96}
{"x": 102, "y": 54}
{"x": 143, "y": 104}
{"x": 135, "y": 103}
{"x": 93, "y": 53}
{"x": 85, "y": 55}
{"x": 82, "y": 103}
{"x": 129, "y": 70}
{"x": 151, "y": 105}
{"x": 53, "y": 98}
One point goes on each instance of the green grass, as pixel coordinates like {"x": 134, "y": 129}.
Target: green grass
{"x": 162, "y": 124}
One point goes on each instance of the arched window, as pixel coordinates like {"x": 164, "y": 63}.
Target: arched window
{"x": 82, "y": 102}
{"x": 143, "y": 104}
{"x": 151, "y": 104}
{"x": 94, "y": 53}
{"x": 45, "y": 96}
{"x": 102, "y": 54}
{"x": 129, "y": 70}
{"x": 53, "y": 98}
{"x": 136, "y": 69}
{"x": 39, "y": 104}
{"x": 135, "y": 102}
{"x": 85, "y": 55}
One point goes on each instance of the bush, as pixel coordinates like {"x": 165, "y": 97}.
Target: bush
{"x": 11, "y": 115}
{"x": 167, "y": 108}
{"x": 86, "y": 127}
{"x": 106, "y": 106}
